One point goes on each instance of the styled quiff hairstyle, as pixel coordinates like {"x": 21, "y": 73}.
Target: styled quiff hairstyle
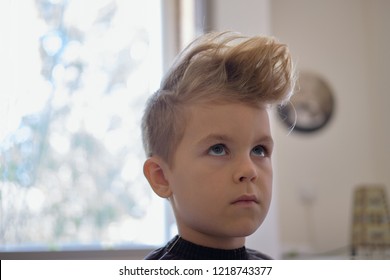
{"x": 215, "y": 67}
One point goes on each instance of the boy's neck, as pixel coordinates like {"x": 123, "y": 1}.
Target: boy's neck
{"x": 216, "y": 242}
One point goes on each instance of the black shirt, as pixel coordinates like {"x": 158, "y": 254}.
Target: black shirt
{"x": 180, "y": 249}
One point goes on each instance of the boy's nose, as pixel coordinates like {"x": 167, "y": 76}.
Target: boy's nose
{"x": 246, "y": 171}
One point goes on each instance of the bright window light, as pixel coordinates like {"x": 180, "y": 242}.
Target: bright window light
{"x": 77, "y": 75}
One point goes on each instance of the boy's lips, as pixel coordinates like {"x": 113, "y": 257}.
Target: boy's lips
{"x": 246, "y": 198}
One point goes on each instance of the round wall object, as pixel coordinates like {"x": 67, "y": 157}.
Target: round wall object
{"x": 312, "y": 105}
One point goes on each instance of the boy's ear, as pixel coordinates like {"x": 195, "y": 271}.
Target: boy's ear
{"x": 154, "y": 173}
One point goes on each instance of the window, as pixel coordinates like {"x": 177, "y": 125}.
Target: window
{"x": 77, "y": 76}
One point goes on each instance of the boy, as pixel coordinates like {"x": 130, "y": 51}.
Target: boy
{"x": 207, "y": 137}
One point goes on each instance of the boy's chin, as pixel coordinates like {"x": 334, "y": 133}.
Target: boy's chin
{"x": 244, "y": 231}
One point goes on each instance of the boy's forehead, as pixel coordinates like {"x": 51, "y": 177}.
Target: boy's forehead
{"x": 214, "y": 111}
{"x": 226, "y": 120}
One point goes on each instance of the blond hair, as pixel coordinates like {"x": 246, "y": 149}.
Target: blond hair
{"x": 215, "y": 67}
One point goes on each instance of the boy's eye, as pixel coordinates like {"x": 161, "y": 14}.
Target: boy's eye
{"x": 217, "y": 150}
{"x": 259, "y": 151}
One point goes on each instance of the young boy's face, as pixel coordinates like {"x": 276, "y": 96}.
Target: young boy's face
{"x": 221, "y": 177}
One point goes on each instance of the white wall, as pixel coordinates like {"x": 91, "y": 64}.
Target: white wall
{"x": 348, "y": 43}
{"x": 250, "y": 17}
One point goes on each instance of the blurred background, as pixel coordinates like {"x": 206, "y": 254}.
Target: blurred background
{"x": 74, "y": 79}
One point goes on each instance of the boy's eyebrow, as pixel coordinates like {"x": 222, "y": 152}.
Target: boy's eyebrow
{"x": 215, "y": 137}
{"x": 225, "y": 138}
